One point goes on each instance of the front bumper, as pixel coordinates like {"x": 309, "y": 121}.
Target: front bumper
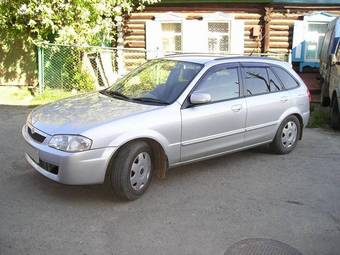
{"x": 78, "y": 168}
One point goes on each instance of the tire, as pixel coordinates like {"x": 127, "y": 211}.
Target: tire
{"x": 131, "y": 170}
{"x": 325, "y": 100}
{"x": 287, "y": 136}
{"x": 335, "y": 115}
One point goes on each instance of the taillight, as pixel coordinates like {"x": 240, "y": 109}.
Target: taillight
{"x": 309, "y": 95}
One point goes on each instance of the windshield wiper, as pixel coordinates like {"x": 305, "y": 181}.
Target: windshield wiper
{"x": 150, "y": 100}
{"x": 114, "y": 94}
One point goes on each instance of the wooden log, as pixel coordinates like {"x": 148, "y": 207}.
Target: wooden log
{"x": 279, "y": 27}
{"x": 283, "y": 21}
{"x": 248, "y": 16}
{"x": 135, "y": 44}
{"x": 280, "y": 38}
{"x": 136, "y": 26}
{"x": 279, "y": 33}
{"x": 135, "y": 32}
{"x": 135, "y": 37}
{"x": 279, "y": 45}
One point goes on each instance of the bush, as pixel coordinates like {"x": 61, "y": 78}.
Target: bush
{"x": 83, "y": 81}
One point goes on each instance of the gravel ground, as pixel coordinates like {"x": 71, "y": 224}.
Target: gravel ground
{"x": 201, "y": 208}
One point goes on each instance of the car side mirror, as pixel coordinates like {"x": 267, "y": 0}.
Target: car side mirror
{"x": 200, "y": 98}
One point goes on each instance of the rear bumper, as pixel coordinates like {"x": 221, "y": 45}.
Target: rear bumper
{"x": 305, "y": 118}
{"x": 87, "y": 167}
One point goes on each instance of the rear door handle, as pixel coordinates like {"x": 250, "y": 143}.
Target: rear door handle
{"x": 236, "y": 108}
{"x": 284, "y": 99}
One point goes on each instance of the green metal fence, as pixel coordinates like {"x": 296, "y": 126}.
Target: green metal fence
{"x": 73, "y": 69}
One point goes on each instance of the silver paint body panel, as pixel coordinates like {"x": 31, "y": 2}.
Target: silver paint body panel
{"x": 186, "y": 134}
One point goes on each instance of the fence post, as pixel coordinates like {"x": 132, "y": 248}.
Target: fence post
{"x": 41, "y": 68}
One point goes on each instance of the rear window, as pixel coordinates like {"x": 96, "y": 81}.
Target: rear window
{"x": 287, "y": 80}
{"x": 256, "y": 80}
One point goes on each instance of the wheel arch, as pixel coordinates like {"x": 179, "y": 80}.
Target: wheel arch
{"x": 293, "y": 112}
{"x": 159, "y": 154}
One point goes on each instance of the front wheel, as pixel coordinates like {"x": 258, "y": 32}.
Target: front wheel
{"x": 131, "y": 170}
{"x": 287, "y": 136}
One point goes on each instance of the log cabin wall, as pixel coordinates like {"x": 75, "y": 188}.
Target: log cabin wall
{"x": 275, "y": 23}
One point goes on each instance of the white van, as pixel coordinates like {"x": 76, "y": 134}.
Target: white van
{"x": 330, "y": 71}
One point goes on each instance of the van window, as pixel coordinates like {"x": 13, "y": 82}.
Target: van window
{"x": 256, "y": 80}
{"x": 287, "y": 80}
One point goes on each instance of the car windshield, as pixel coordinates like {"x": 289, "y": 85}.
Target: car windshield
{"x": 157, "y": 81}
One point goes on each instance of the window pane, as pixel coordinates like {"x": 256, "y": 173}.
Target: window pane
{"x": 314, "y": 39}
{"x": 218, "y": 36}
{"x": 171, "y": 27}
{"x": 287, "y": 80}
{"x": 256, "y": 80}
{"x": 274, "y": 83}
{"x": 221, "y": 85}
{"x": 159, "y": 79}
{"x": 218, "y": 27}
{"x": 171, "y": 37}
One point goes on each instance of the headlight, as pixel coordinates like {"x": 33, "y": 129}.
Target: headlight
{"x": 70, "y": 143}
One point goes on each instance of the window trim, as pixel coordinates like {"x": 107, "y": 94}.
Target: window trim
{"x": 228, "y": 34}
{"x": 186, "y": 103}
{"x": 266, "y": 65}
{"x": 161, "y": 22}
{"x": 283, "y": 85}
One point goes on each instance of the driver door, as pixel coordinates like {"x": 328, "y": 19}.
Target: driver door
{"x": 217, "y": 126}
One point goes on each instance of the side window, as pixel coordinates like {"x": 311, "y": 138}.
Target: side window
{"x": 274, "y": 82}
{"x": 288, "y": 81}
{"x": 256, "y": 80}
{"x": 221, "y": 84}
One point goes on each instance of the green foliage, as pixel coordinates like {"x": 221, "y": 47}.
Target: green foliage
{"x": 65, "y": 21}
{"x": 320, "y": 117}
{"x": 83, "y": 81}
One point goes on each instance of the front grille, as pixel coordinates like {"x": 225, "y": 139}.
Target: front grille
{"x": 49, "y": 167}
{"x": 35, "y": 136}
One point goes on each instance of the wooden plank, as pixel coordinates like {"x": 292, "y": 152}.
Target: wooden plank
{"x": 135, "y": 37}
{"x": 280, "y": 38}
{"x": 279, "y": 33}
{"x": 279, "y": 44}
{"x": 135, "y": 26}
{"x": 283, "y": 21}
{"x": 135, "y": 44}
{"x": 279, "y": 27}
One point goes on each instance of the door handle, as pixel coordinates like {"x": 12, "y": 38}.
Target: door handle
{"x": 284, "y": 99}
{"x": 236, "y": 108}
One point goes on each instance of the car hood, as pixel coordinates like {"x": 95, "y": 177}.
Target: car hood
{"x": 77, "y": 114}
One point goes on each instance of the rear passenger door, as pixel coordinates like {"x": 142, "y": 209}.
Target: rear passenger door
{"x": 266, "y": 101}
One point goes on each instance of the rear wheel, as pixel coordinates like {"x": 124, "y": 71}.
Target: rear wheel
{"x": 287, "y": 136}
{"x": 131, "y": 170}
{"x": 335, "y": 115}
{"x": 325, "y": 100}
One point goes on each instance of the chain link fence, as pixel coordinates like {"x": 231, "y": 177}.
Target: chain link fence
{"x": 74, "y": 69}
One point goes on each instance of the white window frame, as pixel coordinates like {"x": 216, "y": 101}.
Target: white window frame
{"x": 220, "y": 34}
{"x": 173, "y": 34}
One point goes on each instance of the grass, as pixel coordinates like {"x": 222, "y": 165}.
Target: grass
{"x": 320, "y": 117}
{"x": 13, "y": 95}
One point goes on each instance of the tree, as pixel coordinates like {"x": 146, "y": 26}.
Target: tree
{"x": 65, "y": 21}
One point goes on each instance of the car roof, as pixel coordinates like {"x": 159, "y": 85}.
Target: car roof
{"x": 213, "y": 59}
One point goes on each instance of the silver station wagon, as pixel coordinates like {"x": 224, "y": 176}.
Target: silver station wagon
{"x": 168, "y": 112}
